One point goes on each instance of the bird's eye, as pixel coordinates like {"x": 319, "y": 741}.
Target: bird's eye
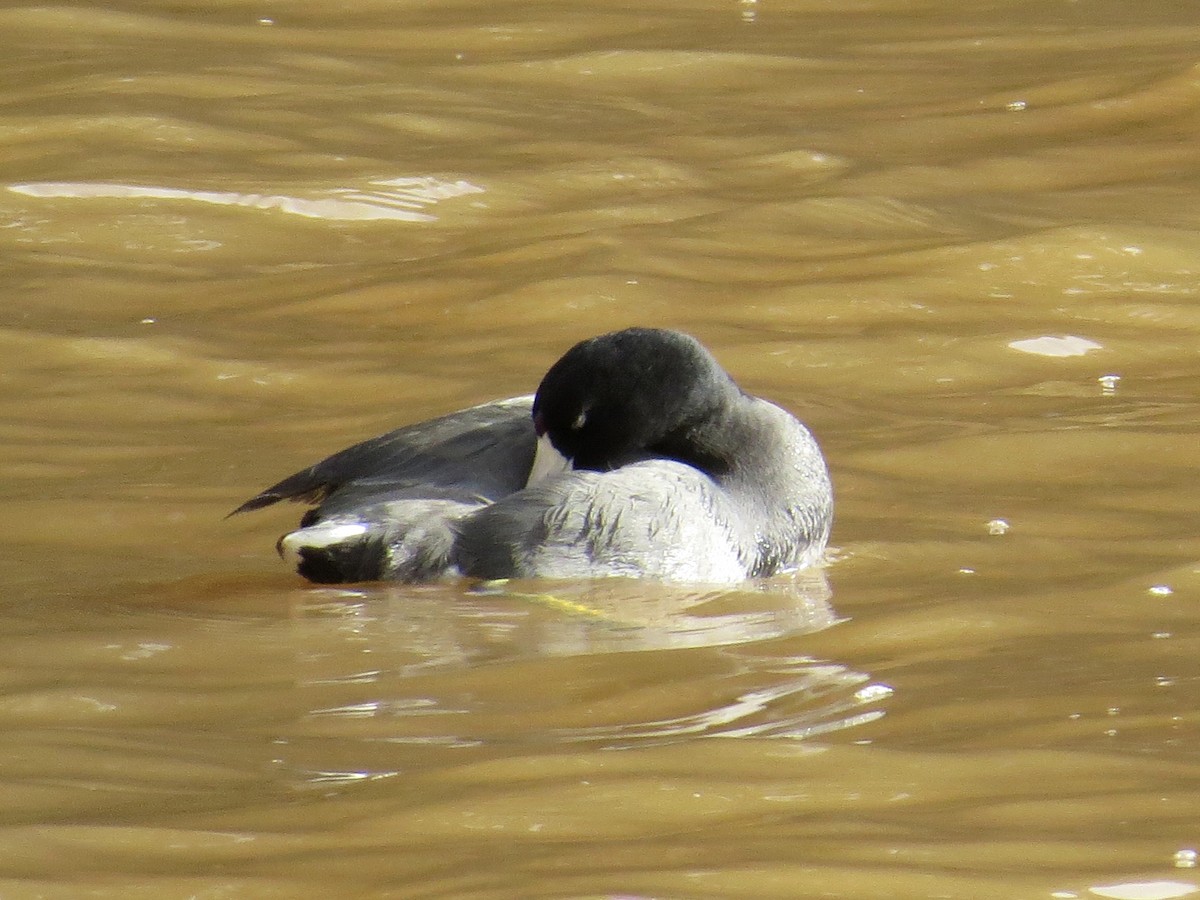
{"x": 580, "y": 420}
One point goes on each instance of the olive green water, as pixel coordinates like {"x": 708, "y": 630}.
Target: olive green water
{"x": 962, "y": 241}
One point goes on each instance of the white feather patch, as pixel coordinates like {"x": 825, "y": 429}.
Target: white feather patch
{"x": 323, "y": 535}
{"x": 547, "y": 461}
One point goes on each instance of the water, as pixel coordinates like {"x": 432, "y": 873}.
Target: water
{"x": 960, "y": 242}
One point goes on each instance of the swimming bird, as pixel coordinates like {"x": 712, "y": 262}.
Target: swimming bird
{"x": 638, "y": 456}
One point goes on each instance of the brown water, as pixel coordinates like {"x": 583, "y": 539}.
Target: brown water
{"x": 239, "y": 236}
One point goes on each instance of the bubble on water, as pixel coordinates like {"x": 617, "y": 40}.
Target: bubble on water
{"x": 1161, "y": 590}
{"x": 1108, "y": 384}
{"x": 1185, "y": 858}
{"x": 998, "y": 526}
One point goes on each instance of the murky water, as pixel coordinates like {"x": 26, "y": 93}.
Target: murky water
{"x": 961, "y": 241}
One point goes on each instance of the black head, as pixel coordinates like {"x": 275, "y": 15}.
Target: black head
{"x": 635, "y": 394}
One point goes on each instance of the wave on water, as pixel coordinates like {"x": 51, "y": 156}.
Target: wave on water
{"x": 402, "y": 199}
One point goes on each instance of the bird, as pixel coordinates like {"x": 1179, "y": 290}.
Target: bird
{"x": 638, "y": 456}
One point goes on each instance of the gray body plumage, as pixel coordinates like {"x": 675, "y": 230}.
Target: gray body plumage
{"x": 664, "y": 519}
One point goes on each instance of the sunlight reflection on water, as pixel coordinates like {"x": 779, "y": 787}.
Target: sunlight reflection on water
{"x": 399, "y": 199}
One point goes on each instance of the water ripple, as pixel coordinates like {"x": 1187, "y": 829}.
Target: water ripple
{"x": 396, "y": 199}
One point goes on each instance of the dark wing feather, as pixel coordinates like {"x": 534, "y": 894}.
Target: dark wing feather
{"x": 486, "y": 450}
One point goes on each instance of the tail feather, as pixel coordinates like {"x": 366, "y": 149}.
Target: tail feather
{"x": 342, "y": 551}
{"x": 335, "y": 553}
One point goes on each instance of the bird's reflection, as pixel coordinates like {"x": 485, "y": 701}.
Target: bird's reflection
{"x": 611, "y": 662}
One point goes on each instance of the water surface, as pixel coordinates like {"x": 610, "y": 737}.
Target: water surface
{"x": 959, "y": 241}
